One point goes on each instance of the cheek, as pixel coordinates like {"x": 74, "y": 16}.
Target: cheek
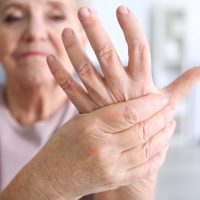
{"x": 8, "y": 44}
{"x": 72, "y": 23}
{"x": 58, "y": 44}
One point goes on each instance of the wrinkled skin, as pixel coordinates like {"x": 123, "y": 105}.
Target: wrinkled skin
{"x": 92, "y": 152}
{"x": 117, "y": 84}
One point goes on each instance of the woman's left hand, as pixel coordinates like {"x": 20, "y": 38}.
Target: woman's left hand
{"x": 118, "y": 83}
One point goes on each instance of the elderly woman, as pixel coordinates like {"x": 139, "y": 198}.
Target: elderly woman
{"x": 114, "y": 148}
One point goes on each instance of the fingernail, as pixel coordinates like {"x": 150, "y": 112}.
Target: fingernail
{"x": 164, "y": 101}
{"x": 84, "y": 12}
{"x": 123, "y": 10}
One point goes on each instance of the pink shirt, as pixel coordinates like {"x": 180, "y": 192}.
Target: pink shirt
{"x": 19, "y": 144}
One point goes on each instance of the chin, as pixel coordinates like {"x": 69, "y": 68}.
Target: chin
{"x": 36, "y": 74}
{"x": 33, "y": 80}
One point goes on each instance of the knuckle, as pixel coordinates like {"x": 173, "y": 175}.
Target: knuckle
{"x": 130, "y": 115}
{"x": 139, "y": 45}
{"x": 67, "y": 84}
{"x": 138, "y": 133}
{"x": 145, "y": 129}
{"x": 94, "y": 150}
{"x": 146, "y": 151}
{"x": 106, "y": 50}
{"x": 83, "y": 68}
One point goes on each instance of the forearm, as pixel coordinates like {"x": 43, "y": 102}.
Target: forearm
{"x": 29, "y": 184}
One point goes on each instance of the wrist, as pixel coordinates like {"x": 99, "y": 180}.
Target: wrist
{"x": 143, "y": 190}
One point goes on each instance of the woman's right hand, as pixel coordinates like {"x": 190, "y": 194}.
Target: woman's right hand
{"x": 107, "y": 148}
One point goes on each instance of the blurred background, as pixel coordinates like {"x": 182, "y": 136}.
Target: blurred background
{"x": 173, "y": 31}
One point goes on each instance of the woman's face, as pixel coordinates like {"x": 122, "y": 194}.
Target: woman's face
{"x": 29, "y": 31}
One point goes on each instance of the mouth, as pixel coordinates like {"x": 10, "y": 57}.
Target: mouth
{"x": 33, "y": 54}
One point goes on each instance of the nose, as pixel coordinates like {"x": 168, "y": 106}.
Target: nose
{"x": 35, "y": 30}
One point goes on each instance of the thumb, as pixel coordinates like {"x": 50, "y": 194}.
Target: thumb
{"x": 182, "y": 85}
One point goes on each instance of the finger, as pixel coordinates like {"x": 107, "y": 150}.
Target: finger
{"x": 142, "y": 132}
{"x": 139, "y": 155}
{"x": 122, "y": 116}
{"x": 74, "y": 91}
{"x": 92, "y": 80}
{"x": 146, "y": 170}
{"x": 102, "y": 45}
{"x": 139, "y": 54}
{"x": 183, "y": 85}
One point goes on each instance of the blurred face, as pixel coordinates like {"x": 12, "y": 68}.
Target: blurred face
{"x": 29, "y": 31}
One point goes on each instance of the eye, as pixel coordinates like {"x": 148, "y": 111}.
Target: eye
{"x": 11, "y": 19}
{"x": 58, "y": 17}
